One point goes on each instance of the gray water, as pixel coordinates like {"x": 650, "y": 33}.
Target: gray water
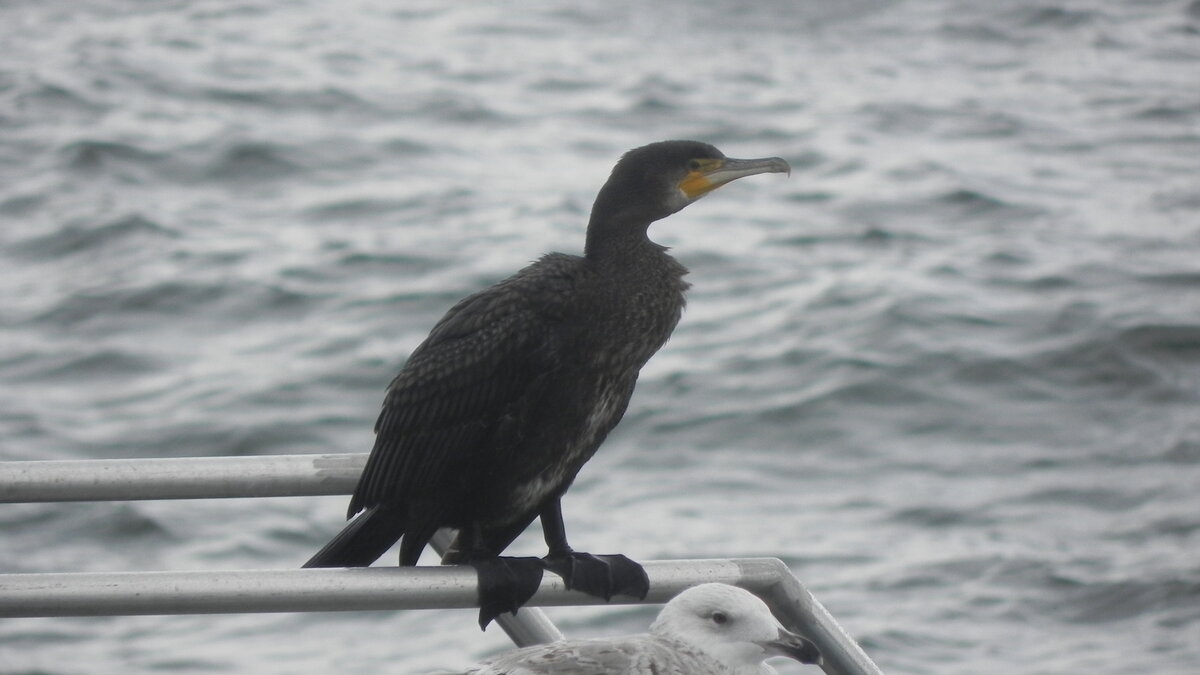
{"x": 948, "y": 371}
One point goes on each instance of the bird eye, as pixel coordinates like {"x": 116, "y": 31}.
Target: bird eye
{"x": 719, "y": 618}
{"x": 694, "y": 165}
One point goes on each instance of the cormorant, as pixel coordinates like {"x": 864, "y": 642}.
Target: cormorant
{"x": 515, "y": 388}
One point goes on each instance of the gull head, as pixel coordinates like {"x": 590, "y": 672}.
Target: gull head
{"x": 733, "y": 626}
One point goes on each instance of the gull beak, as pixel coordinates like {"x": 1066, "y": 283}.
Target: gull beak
{"x": 794, "y": 647}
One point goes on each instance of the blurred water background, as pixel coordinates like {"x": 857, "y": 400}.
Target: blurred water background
{"x": 948, "y": 371}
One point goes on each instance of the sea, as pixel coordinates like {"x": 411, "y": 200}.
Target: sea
{"x": 948, "y": 370}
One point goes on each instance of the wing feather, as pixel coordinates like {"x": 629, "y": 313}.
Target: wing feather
{"x": 633, "y": 655}
{"x": 480, "y": 365}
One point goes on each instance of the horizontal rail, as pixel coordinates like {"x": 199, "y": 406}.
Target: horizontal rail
{"x": 305, "y": 590}
{"x": 87, "y": 480}
{"x": 216, "y": 478}
{"x": 389, "y": 588}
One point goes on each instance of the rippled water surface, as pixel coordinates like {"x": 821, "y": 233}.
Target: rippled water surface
{"x": 948, "y": 371}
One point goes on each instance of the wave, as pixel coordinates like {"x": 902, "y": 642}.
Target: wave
{"x": 224, "y": 301}
{"x": 77, "y": 239}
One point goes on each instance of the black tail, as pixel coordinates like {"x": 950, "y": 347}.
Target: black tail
{"x": 362, "y": 541}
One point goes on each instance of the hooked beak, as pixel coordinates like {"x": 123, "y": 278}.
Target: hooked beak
{"x": 794, "y": 647}
{"x": 713, "y": 173}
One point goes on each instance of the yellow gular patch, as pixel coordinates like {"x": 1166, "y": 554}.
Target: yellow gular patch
{"x": 696, "y": 183}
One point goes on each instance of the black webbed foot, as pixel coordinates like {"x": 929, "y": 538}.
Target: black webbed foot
{"x": 600, "y": 575}
{"x": 505, "y": 584}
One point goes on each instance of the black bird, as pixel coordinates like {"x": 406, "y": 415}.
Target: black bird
{"x": 495, "y": 413}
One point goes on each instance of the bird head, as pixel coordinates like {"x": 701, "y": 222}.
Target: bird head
{"x": 656, "y": 180}
{"x": 731, "y": 625}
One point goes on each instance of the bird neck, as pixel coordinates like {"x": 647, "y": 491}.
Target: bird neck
{"x": 617, "y": 238}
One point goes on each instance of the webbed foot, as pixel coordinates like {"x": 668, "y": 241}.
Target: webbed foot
{"x": 602, "y": 576}
{"x": 505, "y": 584}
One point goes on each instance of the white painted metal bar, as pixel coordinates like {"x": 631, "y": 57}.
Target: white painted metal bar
{"x": 388, "y": 588}
{"x": 303, "y": 590}
{"x": 295, "y": 590}
{"x": 215, "y": 478}
{"x": 88, "y": 480}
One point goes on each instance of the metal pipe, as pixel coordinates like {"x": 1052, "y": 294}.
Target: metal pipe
{"x": 296, "y": 590}
{"x": 304, "y": 590}
{"x": 214, "y": 478}
{"x": 771, "y": 580}
{"x": 86, "y": 480}
{"x": 389, "y": 588}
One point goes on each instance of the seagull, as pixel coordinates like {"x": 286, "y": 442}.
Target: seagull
{"x": 710, "y": 629}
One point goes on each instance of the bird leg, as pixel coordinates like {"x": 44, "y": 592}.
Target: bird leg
{"x": 602, "y": 576}
{"x": 505, "y": 584}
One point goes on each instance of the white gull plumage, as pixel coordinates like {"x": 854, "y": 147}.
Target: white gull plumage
{"x": 709, "y": 629}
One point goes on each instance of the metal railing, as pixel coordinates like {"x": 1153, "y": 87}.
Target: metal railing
{"x": 320, "y": 590}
